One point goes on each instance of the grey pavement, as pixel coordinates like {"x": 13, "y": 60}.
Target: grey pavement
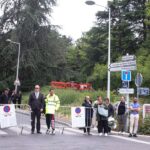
{"x": 68, "y": 142}
{"x": 72, "y": 139}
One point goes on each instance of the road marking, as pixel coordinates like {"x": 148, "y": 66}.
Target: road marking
{"x": 2, "y": 132}
{"x": 130, "y": 139}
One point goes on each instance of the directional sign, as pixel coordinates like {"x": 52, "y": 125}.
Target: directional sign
{"x": 126, "y": 75}
{"x": 143, "y": 91}
{"x": 138, "y": 79}
{"x": 127, "y": 65}
{"x": 128, "y": 57}
{"x": 126, "y": 91}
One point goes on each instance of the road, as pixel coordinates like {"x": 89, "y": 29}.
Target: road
{"x": 71, "y": 139}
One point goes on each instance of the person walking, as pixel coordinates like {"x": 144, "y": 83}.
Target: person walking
{"x": 102, "y": 116}
{"x": 110, "y": 111}
{"x": 88, "y": 114}
{"x": 121, "y": 111}
{"x": 134, "y": 117}
{"x": 52, "y": 104}
{"x": 36, "y": 102}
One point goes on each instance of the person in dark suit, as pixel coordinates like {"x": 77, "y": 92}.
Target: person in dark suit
{"x": 36, "y": 102}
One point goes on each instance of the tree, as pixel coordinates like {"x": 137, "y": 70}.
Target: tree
{"x": 43, "y": 49}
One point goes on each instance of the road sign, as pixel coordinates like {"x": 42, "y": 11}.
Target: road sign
{"x": 126, "y": 75}
{"x": 128, "y": 57}
{"x": 126, "y": 91}
{"x": 17, "y": 82}
{"x": 138, "y": 79}
{"x": 125, "y": 84}
{"x": 127, "y": 65}
{"x": 143, "y": 91}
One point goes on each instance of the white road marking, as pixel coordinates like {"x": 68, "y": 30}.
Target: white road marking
{"x": 130, "y": 139}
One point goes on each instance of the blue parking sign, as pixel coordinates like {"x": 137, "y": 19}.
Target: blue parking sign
{"x": 126, "y": 75}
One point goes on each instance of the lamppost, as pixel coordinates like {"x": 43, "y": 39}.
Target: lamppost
{"x": 17, "y": 82}
{"x": 109, "y": 43}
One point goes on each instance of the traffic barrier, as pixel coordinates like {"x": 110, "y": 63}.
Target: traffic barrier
{"x": 14, "y": 116}
{"x": 66, "y": 117}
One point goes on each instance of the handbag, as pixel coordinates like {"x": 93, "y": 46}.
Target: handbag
{"x": 102, "y": 111}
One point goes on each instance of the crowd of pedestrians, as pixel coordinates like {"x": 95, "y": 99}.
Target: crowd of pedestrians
{"x": 8, "y": 96}
{"x": 100, "y": 114}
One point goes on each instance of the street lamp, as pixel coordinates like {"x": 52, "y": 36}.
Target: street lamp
{"x": 17, "y": 82}
{"x": 109, "y": 43}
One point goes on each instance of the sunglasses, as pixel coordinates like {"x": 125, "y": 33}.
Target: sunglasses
{"x": 36, "y": 88}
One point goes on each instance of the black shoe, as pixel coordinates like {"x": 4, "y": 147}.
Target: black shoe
{"x": 134, "y": 135}
{"x": 39, "y": 132}
{"x": 32, "y": 132}
{"x": 130, "y": 135}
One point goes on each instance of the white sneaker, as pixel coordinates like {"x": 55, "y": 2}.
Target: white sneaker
{"x": 105, "y": 134}
{"x": 119, "y": 132}
{"x": 100, "y": 134}
{"x": 48, "y": 131}
{"x": 123, "y": 133}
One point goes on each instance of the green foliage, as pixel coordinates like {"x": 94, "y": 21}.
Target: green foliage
{"x": 73, "y": 97}
{"x": 43, "y": 49}
{"x": 145, "y": 126}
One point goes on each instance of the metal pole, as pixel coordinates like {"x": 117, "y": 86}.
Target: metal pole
{"x": 109, "y": 43}
{"x": 17, "y": 73}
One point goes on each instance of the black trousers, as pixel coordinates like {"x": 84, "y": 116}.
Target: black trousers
{"x": 103, "y": 124}
{"x": 50, "y": 121}
{"x": 88, "y": 125}
{"x": 35, "y": 114}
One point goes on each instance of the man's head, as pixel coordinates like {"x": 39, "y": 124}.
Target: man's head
{"x": 37, "y": 88}
{"x": 51, "y": 91}
{"x": 6, "y": 91}
{"x": 135, "y": 99}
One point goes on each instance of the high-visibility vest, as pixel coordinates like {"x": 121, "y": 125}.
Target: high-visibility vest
{"x": 52, "y": 104}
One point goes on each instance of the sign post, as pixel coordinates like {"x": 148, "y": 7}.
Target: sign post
{"x": 138, "y": 82}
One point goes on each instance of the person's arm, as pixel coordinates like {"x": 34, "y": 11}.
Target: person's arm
{"x": 57, "y": 103}
{"x": 42, "y": 102}
{"x": 30, "y": 100}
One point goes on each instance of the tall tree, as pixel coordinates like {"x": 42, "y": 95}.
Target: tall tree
{"x": 42, "y": 47}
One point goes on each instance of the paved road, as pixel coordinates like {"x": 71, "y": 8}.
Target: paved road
{"x": 69, "y": 142}
{"x": 72, "y": 139}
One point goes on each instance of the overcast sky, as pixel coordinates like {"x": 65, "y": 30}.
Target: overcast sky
{"x": 75, "y": 17}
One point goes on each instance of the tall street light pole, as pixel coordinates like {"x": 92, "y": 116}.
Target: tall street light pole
{"x": 17, "y": 82}
{"x": 109, "y": 44}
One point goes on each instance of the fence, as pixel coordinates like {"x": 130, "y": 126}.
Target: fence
{"x": 63, "y": 117}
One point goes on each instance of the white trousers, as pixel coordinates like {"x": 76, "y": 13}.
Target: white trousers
{"x": 134, "y": 120}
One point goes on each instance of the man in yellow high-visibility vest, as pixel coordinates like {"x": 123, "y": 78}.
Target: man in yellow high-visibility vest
{"x": 52, "y": 104}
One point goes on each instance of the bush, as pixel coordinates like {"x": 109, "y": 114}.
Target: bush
{"x": 145, "y": 127}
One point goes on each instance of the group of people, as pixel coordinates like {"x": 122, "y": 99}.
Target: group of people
{"x": 10, "y": 97}
{"x": 104, "y": 110}
{"x": 41, "y": 104}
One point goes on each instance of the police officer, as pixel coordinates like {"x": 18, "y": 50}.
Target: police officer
{"x": 52, "y": 104}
